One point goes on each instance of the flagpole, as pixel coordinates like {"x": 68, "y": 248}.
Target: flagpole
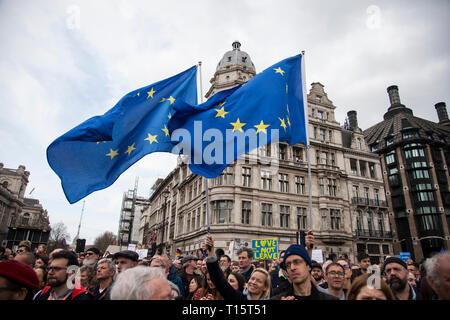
{"x": 308, "y": 145}
{"x": 206, "y": 179}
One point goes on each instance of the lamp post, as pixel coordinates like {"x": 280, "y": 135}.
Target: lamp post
{"x": 165, "y": 194}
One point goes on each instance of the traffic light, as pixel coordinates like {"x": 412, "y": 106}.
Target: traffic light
{"x": 80, "y": 245}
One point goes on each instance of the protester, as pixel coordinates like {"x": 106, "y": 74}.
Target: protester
{"x": 41, "y": 273}
{"x": 396, "y": 272}
{"x": 258, "y": 287}
{"x": 225, "y": 263}
{"x": 92, "y": 256}
{"x": 210, "y": 291}
{"x": 412, "y": 279}
{"x": 363, "y": 261}
{"x": 18, "y": 281}
{"x": 361, "y": 291}
{"x": 126, "y": 259}
{"x": 57, "y": 277}
{"x": 174, "y": 292}
{"x": 245, "y": 256}
{"x": 42, "y": 251}
{"x": 438, "y": 274}
{"x": 317, "y": 273}
{"x": 172, "y": 275}
{"x": 335, "y": 277}
{"x": 41, "y": 261}
{"x": 88, "y": 278}
{"x": 237, "y": 281}
{"x": 22, "y": 248}
{"x": 198, "y": 270}
{"x": 26, "y": 257}
{"x": 194, "y": 286}
{"x": 297, "y": 264}
{"x": 81, "y": 257}
{"x": 189, "y": 264}
{"x": 141, "y": 283}
{"x": 348, "y": 273}
{"x": 106, "y": 269}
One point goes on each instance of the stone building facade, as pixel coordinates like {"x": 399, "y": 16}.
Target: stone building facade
{"x": 21, "y": 218}
{"x": 251, "y": 200}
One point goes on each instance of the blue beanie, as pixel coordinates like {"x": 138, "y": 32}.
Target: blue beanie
{"x": 298, "y": 250}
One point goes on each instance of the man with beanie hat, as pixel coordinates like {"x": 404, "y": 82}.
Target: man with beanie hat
{"x": 396, "y": 272}
{"x": 18, "y": 281}
{"x": 297, "y": 264}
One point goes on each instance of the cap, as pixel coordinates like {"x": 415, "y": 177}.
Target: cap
{"x": 128, "y": 254}
{"x": 94, "y": 250}
{"x": 189, "y": 258}
{"x": 316, "y": 265}
{"x": 299, "y": 250}
{"x": 394, "y": 260}
{"x": 20, "y": 273}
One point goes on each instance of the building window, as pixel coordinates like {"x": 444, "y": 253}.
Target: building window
{"x": 376, "y": 193}
{"x": 335, "y": 219}
{"x": 366, "y": 194}
{"x": 246, "y": 176}
{"x": 283, "y": 180}
{"x": 380, "y": 222}
{"x": 425, "y": 196}
{"x": 266, "y": 150}
{"x": 324, "y": 158}
{"x": 362, "y": 168}
{"x": 266, "y": 214}
{"x": 370, "y": 222}
{"x": 359, "y": 222}
{"x": 298, "y": 154}
{"x": 330, "y": 135}
{"x": 266, "y": 180}
{"x": 284, "y": 216}
{"x": 299, "y": 185}
{"x": 414, "y": 153}
{"x": 390, "y": 157}
{"x": 353, "y": 166}
{"x": 359, "y": 143}
{"x": 226, "y": 177}
{"x": 321, "y": 186}
{"x": 301, "y": 218}
{"x": 372, "y": 170}
{"x": 26, "y": 218}
{"x": 420, "y": 174}
{"x": 246, "y": 212}
{"x": 320, "y": 114}
{"x": 355, "y": 190}
{"x": 282, "y": 152}
{"x": 322, "y": 133}
{"x": 324, "y": 218}
{"x": 223, "y": 211}
{"x": 332, "y": 187}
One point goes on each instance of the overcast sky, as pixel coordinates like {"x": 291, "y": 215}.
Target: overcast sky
{"x": 62, "y": 62}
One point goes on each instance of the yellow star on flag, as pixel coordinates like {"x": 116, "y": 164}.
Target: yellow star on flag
{"x": 138, "y": 94}
{"x": 169, "y": 115}
{"x": 112, "y": 153}
{"x": 279, "y": 70}
{"x": 163, "y": 99}
{"x": 171, "y": 99}
{"x": 261, "y": 127}
{"x": 151, "y": 138}
{"x": 283, "y": 124}
{"x": 289, "y": 123}
{"x": 221, "y": 112}
{"x": 166, "y": 131}
{"x": 238, "y": 125}
{"x": 130, "y": 149}
{"x": 150, "y": 93}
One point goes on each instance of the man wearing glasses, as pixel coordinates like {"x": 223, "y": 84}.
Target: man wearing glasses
{"x": 335, "y": 277}
{"x": 297, "y": 264}
{"x": 58, "y": 274}
{"x": 91, "y": 257}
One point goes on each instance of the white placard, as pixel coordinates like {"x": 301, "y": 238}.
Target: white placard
{"x": 317, "y": 255}
{"x": 142, "y": 253}
{"x": 132, "y": 247}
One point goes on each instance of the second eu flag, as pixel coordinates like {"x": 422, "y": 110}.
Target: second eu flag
{"x": 94, "y": 154}
{"x": 268, "y": 108}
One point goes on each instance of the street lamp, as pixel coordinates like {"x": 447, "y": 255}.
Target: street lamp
{"x": 165, "y": 194}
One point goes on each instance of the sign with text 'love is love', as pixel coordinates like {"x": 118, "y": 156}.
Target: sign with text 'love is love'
{"x": 265, "y": 249}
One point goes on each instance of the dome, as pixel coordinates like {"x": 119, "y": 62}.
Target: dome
{"x": 236, "y": 57}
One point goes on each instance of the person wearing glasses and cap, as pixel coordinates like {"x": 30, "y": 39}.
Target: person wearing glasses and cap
{"x": 91, "y": 257}
{"x": 57, "y": 279}
{"x": 297, "y": 263}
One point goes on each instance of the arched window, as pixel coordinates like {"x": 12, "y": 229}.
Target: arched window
{"x": 380, "y": 222}
{"x": 370, "y": 221}
{"x": 359, "y": 223}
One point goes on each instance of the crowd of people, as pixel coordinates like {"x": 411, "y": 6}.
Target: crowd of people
{"x": 66, "y": 275}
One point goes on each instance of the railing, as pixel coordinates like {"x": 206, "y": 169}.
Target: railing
{"x": 369, "y": 202}
{"x": 373, "y": 233}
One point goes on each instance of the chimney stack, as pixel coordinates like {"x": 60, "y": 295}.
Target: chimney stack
{"x": 352, "y": 120}
{"x": 394, "y": 96}
{"x": 441, "y": 109}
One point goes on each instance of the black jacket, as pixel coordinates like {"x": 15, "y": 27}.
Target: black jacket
{"x": 248, "y": 273}
{"x": 222, "y": 285}
{"x": 315, "y": 294}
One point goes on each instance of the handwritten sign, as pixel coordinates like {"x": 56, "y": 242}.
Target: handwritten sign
{"x": 265, "y": 249}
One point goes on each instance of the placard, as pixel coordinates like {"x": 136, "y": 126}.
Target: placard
{"x": 265, "y": 249}
{"x": 317, "y": 255}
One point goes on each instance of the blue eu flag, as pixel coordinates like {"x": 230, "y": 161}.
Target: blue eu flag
{"x": 268, "y": 108}
{"x": 94, "y": 154}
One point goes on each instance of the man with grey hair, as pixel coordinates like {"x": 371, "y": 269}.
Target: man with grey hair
{"x": 141, "y": 283}
{"x": 106, "y": 269}
{"x": 438, "y": 274}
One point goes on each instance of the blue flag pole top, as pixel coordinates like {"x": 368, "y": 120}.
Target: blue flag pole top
{"x": 270, "y": 107}
{"x": 94, "y": 154}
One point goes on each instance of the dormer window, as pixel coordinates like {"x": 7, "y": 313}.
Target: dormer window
{"x": 318, "y": 99}
{"x": 410, "y": 133}
{"x": 244, "y": 59}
